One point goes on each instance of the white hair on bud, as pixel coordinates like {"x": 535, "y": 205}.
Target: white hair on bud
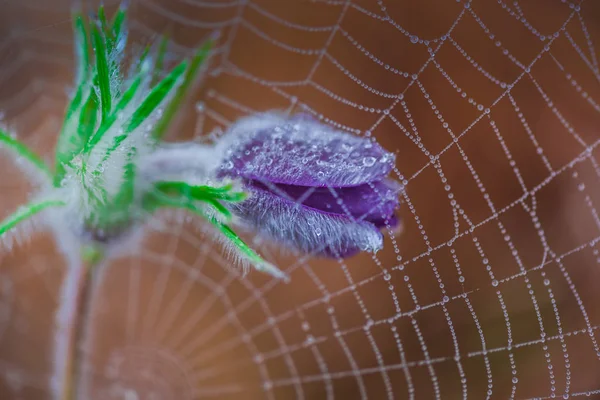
{"x": 304, "y": 229}
{"x": 248, "y": 125}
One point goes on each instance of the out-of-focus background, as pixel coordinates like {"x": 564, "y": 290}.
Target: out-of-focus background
{"x": 489, "y": 291}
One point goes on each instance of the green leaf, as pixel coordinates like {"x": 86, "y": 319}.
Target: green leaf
{"x": 82, "y": 49}
{"x": 26, "y": 212}
{"x": 175, "y": 103}
{"x": 201, "y": 192}
{"x": 258, "y": 262}
{"x": 143, "y": 56}
{"x": 155, "y": 97}
{"x": 72, "y": 143}
{"x": 87, "y": 121}
{"x": 160, "y": 59}
{"x": 102, "y": 70}
{"x": 115, "y": 38}
{"x": 104, "y": 24}
{"x": 148, "y": 105}
{"x": 126, "y": 193}
{"x": 20, "y": 149}
{"x": 120, "y": 106}
{"x": 158, "y": 200}
{"x": 68, "y": 132}
{"x": 69, "y": 129}
{"x": 193, "y": 193}
{"x": 118, "y": 22}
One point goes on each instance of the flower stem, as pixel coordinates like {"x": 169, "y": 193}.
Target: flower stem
{"x": 74, "y": 313}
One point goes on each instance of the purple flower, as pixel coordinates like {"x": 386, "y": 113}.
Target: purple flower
{"x": 312, "y": 188}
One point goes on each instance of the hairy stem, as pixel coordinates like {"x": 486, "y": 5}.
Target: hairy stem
{"x": 74, "y": 287}
{"x": 73, "y": 315}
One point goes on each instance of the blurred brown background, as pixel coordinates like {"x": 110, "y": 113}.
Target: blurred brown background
{"x": 490, "y": 290}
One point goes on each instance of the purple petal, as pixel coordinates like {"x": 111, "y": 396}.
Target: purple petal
{"x": 301, "y": 151}
{"x": 305, "y": 229}
{"x": 373, "y": 202}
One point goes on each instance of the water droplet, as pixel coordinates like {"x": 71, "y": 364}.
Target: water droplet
{"x": 515, "y": 379}
{"x": 318, "y": 231}
{"x": 228, "y": 165}
{"x": 369, "y": 161}
{"x": 547, "y": 282}
{"x": 414, "y": 39}
{"x": 494, "y": 283}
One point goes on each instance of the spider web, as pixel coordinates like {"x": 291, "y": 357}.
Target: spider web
{"x": 489, "y": 289}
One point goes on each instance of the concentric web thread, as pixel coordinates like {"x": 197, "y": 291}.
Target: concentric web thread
{"x": 489, "y": 290}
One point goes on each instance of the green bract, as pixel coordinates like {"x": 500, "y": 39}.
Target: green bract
{"x": 111, "y": 124}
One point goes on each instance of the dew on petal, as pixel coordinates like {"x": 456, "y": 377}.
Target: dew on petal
{"x": 369, "y": 161}
{"x": 305, "y": 152}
